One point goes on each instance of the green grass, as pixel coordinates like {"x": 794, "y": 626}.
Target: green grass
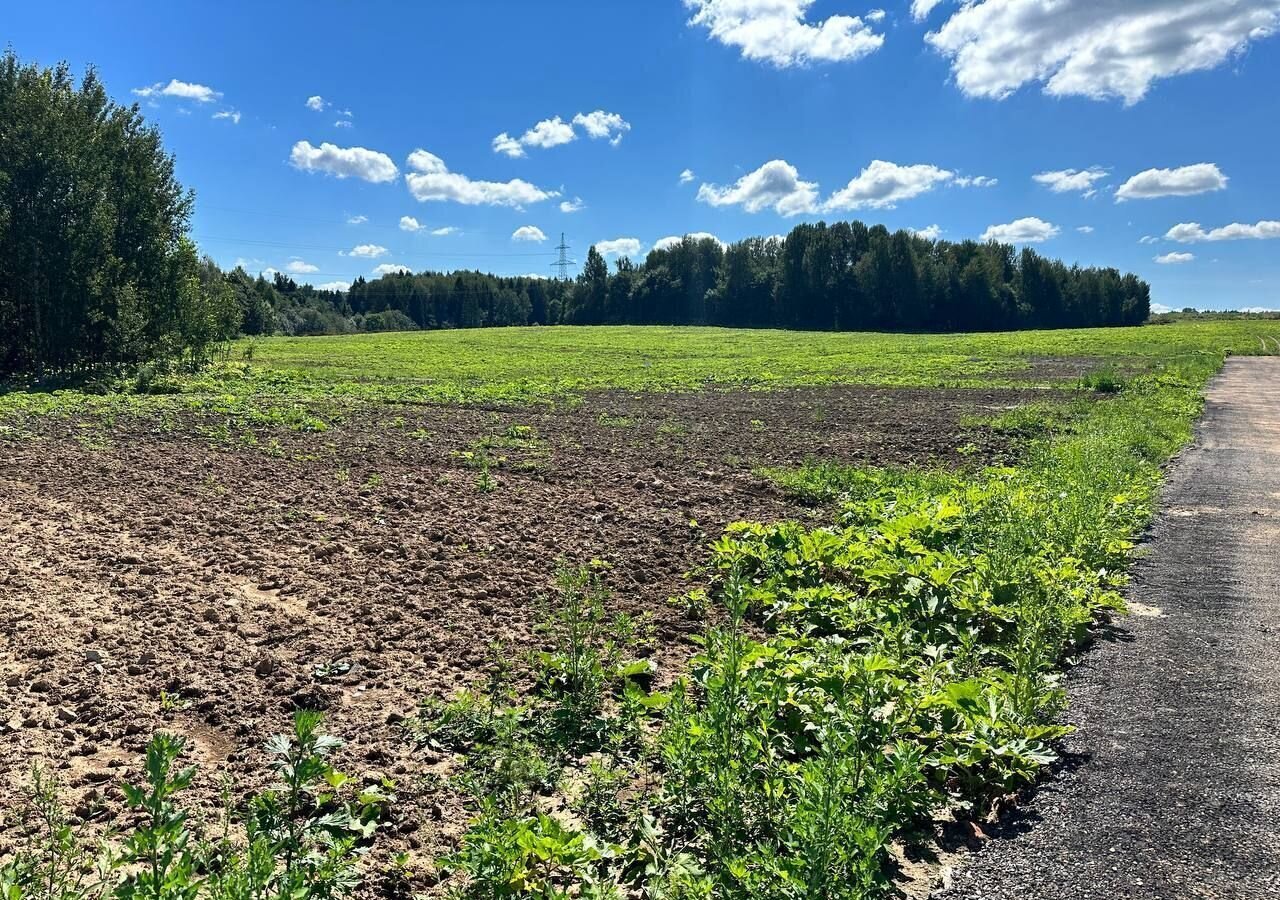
{"x": 524, "y": 364}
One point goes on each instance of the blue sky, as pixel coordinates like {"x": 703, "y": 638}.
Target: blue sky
{"x": 894, "y": 111}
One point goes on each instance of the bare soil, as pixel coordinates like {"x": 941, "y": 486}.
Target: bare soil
{"x": 181, "y": 578}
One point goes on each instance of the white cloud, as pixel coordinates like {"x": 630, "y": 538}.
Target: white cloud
{"x": 920, "y": 9}
{"x": 664, "y": 243}
{"x": 1259, "y": 309}
{"x": 1030, "y": 230}
{"x": 1181, "y": 182}
{"x": 344, "y": 123}
{"x": 601, "y": 124}
{"x": 1092, "y": 48}
{"x": 342, "y": 286}
{"x": 687, "y": 176}
{"x": 548, "y": 133}
{"x": 410, "y": 224}
{"x": 530, "y": 233}
{"x": 1148, "y": 239}
{"x": 232, "y": 115}
{"x": 555, "y": 132}
{"x": 1064, "y": 181}
{"x": 978, "y": 181}
{"x": 775, "y": 185}
{"x": 316, "y": 103}
{"x": 505, "y": 143}
{"x": 876, "y": 15}
{"x": 391, "y": 269}
{"x": 882, "y": 185}
{"x": 619, "y": 247}
{"x": 1160, "y": 309}
{"x": 357, "y": 220}
{"x": 1085, "y": 229}
{"x": 778, "y": 32}
{"x": 1193, "y": 233}
{"x": 344, "y": 162}
{"x": 297, "y": 266}
{"x": 432, "y": 180}
{"x": 931, "y": 232}
{"x": 1173, "y": 259}
{"x": 182, "y": 90}
{"x": 572, "y": 206}
{"x": 367, "y": 251}
{"x": 445, "y": 231}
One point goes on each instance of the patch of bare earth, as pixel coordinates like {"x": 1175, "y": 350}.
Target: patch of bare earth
{"x": 187, "y": 580}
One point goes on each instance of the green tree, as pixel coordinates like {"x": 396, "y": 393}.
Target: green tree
{"x": 95, "y": 266}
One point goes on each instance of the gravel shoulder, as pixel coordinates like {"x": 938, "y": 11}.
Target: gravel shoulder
{"x": 1172, "y": 783}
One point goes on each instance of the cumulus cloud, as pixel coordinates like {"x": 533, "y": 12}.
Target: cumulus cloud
{"x": 978, "y": 181}
{"x": 1193, "y": 233}
{"x": 410, "y": 224}
{"x": 619, "y": 247}
{"x": 367, "y": 251}
{"x": 1181, "y": 182}
{"x": 876, "y": 15}
{"x": 530, "y": 233}
{"x": 1101, "y": 50}
{"x": 1071, "y": 181}
{"x": 778, "y": 32}
{"x": 671, "y": 241}
{"x": 432, "y": 180}
{"x": 882, "y": 185}
{"x": 930, "y": 232}
{"x": 1085, "y": 229}
{"x": 344, "y": 123}
{"x": 572, "y": 206}
{"x": 344, "y": 162}
{"x": 445, "y": 231}
{"x": 316, "y": 103}
{"x": 776, "y": 185}
{"x": 297, "y": 266}
{"x": 357, "y": 220}
{"x": 1173, "y": 259}
{"x": 687, "y": 176}
{"x": 231, "y": 115}
{"x": 1030, "y": 230}
{"x": 555, "y": 132}
{"x": 548, "y": 133}
{"x": 601, "y": 125}
{"x": 181, "y": 90}
{"x": 340, "y": 286}
{"x": 391, "y": 269}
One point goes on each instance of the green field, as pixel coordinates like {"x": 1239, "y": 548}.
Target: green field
{"x": 516, "y": 364}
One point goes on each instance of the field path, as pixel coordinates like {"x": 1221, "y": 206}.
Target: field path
{"x": 1173, "y": 789}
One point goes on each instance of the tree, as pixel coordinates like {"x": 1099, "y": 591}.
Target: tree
{"x": 95, "y": 267}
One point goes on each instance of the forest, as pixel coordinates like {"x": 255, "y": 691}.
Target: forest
{"x": 846, "y": 276}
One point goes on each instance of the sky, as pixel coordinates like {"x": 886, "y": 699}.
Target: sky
{"x": 336, "y": 139}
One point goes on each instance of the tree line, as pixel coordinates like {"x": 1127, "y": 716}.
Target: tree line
{"x": 841, "y": 277}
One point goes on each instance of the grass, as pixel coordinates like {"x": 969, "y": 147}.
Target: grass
{"x": 513, "y": 364}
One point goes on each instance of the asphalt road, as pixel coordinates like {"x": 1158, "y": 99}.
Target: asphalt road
{"x": 1173, "y": 785}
